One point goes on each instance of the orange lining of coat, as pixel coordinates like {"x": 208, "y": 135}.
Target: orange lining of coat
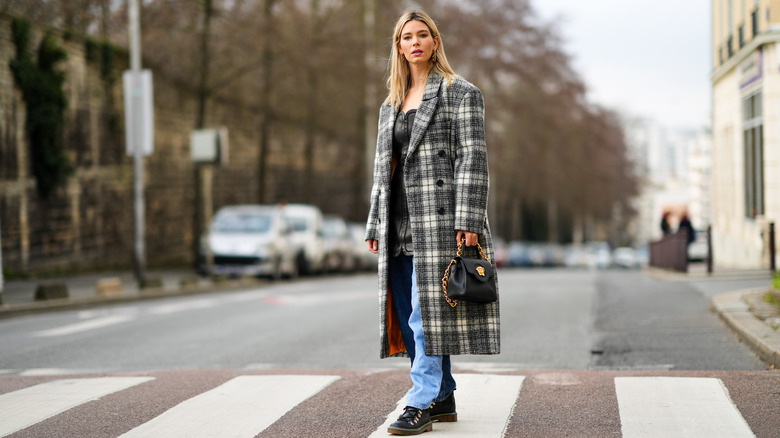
{"x": 394, "y": 339}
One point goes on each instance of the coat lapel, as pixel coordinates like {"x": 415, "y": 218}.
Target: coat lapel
{"x": 425, "y": 112}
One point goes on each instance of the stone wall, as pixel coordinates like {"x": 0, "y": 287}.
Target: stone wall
{"x": 88, "y": 223}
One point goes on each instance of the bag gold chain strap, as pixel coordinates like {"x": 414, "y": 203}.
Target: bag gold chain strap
{"x": 446, "y": 277}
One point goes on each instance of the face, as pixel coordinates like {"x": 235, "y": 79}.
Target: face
{"x": 417, "y": 44}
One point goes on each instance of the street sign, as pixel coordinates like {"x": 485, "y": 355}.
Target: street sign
{"x": 209, "y": 146}
{"x": 139, "y": 119}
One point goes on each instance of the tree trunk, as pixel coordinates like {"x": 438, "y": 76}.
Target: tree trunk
{"x": 265, "y": 103}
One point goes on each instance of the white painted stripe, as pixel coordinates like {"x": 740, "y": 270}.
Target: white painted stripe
{"x": 484, "y": 403}
{"x": 165, "y": 309}
{"x": 678, "y": 407}
{"x": 25, "y": 407}
{"x": 84, "y": 326}
{"x": 241, "y": 407}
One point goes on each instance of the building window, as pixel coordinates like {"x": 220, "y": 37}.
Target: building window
{"x": 753, "y": 137}
{"x": 730, "y": 46}
{"x": 741, "y": 34}
{"x": 754, "y": 21}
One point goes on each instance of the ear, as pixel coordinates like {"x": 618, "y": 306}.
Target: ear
{"x": 436, "y": 43}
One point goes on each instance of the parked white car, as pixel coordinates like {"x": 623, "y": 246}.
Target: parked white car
{"x": 307, "y": 234}
{"x": 339, "y": 255}
{"x": 697, "y": 250}
{"x": 364, "y": 259}
{"x": 252, "y": 240}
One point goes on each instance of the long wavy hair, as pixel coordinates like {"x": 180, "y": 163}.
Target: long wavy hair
{"x": 399, "y": 81}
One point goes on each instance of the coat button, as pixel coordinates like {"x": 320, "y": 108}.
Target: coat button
{"x": 441, "y": 210}
{"x": 439, "y": 183}
{"x": 442, "y": 153}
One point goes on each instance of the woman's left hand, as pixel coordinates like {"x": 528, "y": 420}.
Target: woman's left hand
{"x": 471, "y": 238}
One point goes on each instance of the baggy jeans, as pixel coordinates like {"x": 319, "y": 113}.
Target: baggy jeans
{"x": 431, "y": 375}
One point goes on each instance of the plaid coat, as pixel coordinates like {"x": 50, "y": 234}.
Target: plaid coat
{"x": 446, "y": 179}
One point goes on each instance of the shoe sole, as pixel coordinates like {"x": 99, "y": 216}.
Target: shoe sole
{"x": 424, "y": 428}
{"x": 445, "y": 418}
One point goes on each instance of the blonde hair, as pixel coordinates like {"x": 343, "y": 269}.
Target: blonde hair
{"x": 398, "y": 82}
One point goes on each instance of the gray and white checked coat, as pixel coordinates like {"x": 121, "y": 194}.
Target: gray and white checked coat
{"x": 446, "y": 179}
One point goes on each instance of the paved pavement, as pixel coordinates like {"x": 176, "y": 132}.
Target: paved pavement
{"x": 362, "y": 403}
{"x": 746, "y": 321}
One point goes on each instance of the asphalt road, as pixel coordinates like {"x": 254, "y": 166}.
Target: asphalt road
{"x": 582, "y": 353}
{"x": 551, "y": 319}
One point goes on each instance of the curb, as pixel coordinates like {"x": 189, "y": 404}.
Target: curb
{"x": 751, "y": 330}
{"x": 11, "y": 310}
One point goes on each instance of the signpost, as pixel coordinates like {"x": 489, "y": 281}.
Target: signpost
{"x": 139, "y": 132}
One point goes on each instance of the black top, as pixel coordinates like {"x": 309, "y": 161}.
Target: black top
{"x": 400, "y": 229}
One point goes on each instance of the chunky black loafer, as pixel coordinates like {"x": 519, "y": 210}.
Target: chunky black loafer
{"x": 412, "y": 422}
{"x": 444, "y": 410}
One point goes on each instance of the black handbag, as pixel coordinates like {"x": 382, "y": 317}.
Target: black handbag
{"x": 469, "y": 279}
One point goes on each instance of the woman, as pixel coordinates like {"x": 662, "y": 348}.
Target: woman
{"x": 430, "y": 192}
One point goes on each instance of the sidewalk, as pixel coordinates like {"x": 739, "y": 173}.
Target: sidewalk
{"x": 19, "y": 295}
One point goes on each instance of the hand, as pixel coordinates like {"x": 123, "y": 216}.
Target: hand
{"x": 373, "y": 245}
{"x": 471, "y": 238}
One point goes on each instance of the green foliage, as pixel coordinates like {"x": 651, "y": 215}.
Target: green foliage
{"x": 776, "y": 281}
{"x": 103, "y": 52}
{"x": 41, "y": 85}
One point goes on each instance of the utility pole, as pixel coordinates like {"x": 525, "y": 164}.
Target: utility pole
{"x": 138, "y": 176}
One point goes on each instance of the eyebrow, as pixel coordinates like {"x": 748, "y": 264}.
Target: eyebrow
{"x": 411, "y": 33}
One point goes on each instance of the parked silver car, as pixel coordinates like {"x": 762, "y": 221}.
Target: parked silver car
{"x": 306, "y": 221}
{"x": 252, "y": 240}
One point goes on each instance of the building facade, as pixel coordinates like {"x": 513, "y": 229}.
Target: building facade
{"x": 745, "y": 130}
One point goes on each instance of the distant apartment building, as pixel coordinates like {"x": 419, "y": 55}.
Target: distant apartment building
{"x": 745, "y": 130}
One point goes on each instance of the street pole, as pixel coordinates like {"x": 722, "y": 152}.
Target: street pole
{"x": 138, "y": 186}
{"x": 1, "y": 266}
{"x": 772, "y": 265}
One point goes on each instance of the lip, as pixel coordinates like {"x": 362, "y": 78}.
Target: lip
{"x": 417, "y": 52}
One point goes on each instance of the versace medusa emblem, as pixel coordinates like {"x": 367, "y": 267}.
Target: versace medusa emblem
{"x": 481, "y": 271}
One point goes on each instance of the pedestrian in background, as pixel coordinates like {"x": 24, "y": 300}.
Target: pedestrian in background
{"x": 430, "y": 192}
{"x": 665, "y": 227}
{"x": 685, "y": 226}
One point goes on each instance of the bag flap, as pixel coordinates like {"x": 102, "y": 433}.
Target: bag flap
{"x": 478, "y": 269}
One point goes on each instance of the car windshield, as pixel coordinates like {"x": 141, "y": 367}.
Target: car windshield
{"x": 242, "y": 223}
{"x": 298, "y": 224}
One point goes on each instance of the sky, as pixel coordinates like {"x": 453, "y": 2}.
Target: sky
{"x": 649, "y": 59}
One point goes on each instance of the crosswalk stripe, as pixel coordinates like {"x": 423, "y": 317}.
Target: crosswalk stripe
{"x": 484, "y": 402}
{"x": 84, "y": 326}
{"x": 241, "y": 407}
{"x": 679, "y": 407}
{"x": 28, "y": 406}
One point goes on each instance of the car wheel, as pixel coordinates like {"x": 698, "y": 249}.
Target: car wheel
{"x": 302, "y": 265}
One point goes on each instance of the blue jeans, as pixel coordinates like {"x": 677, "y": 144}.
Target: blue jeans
{"x": 431, "y": 375}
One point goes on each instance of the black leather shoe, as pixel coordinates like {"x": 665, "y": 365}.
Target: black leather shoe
{"x": 444, "y": 410}
{"x": 412, "y": 422}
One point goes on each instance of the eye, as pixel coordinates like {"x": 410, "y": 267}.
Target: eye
{"x": 407, "y": 38}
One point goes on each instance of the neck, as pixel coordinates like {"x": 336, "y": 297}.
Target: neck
{"x": 418, "y": 75}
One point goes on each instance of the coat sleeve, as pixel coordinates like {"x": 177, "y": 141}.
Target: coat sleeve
{"x": 372, "y": 223}
{"x": 471, "y": 164}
